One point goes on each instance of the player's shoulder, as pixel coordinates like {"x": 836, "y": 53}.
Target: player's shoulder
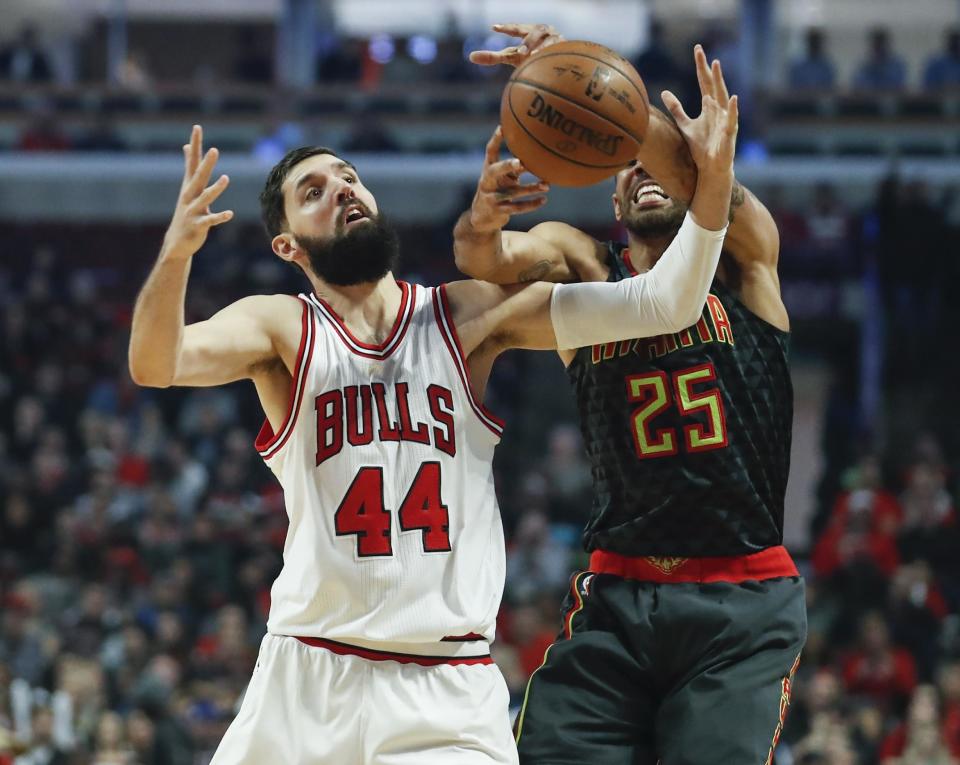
{"x": 468, "y": 298}
{"x": 268, "y": 306}
{"x": 273, "y": 314}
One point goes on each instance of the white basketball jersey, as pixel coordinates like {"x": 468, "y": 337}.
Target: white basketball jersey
{"x": 385, "y": 459}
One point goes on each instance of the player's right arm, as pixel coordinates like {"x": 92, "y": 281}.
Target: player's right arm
{"x": 163, "y": 350}
{"x": 554, "y": 252}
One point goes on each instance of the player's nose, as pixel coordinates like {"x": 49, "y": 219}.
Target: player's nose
{"x": 345, "y": 192}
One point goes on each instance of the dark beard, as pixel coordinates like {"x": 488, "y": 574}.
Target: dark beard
{"x": 365, "y": 253}
{"x": 655, "y": 223}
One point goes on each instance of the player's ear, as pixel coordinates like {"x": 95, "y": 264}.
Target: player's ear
{"x": 285, "y": 247}
{"x": 617, "y": 212}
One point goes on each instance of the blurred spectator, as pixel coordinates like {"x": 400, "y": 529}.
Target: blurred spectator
{"x": 927, "y": 506}
{"x": 134, "y": 74}
{"x": 43, "y": 134}
{"x": 342, "y": 62}
{"x": 655, "y": 64}
{"x": 858, "y": 548}
{"x": 828, "y": 226}
{"x": 451, "y": 65}
{"x": 110, "y": 747}
{"x": 254, "y": 63}
{"x": 882, "y": 69}
{"x": 532, "y": 634}
{"x": 877, "y": 669}
{"x": 44, "y": 750}
{"x": 23, "y": 60}
{"x": 917, "y": 610}
{"x": 943, "y": 69}
{"x": 277, "y": 139}
{"x": 923, "y": 737}
{"x": 402, "y": 68}
{"x": 948, "y": 685}
{"x": 814, "y": 70}
{"x": 569, "y": 484}
{"x": 536, "y": 562}
{"x": 101, "y": 136}
{"x": 369, "y": 134}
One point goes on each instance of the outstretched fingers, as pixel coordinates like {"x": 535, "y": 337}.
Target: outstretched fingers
{"x": 195, "y": 150}
{"x": 202, "y": 174}
{"x": 492, "y": 151}
{"x": 675, "y": 108}
{"x": 520, "y": 206}
{"x": 719, "y": 86}
{"x": 210, "y": 194}
{"x": 215, "y": 219}
{"x": 733, "y": 115}
{"x": 704, "y": 76}
{"x": 514, "y": 30}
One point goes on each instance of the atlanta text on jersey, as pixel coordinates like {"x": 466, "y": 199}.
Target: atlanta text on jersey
{"x": 714, "y": 326}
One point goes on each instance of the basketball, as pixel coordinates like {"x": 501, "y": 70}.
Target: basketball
{"x": 574, "y": 113}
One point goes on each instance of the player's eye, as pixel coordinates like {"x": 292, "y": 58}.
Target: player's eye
{"x": 314, "y": 193}
{"x": 633, "y": 163}
{"x": 350, "y": 179}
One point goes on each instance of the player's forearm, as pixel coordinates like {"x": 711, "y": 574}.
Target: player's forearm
{"x": 156, "y": 333}
{"x": 710, "y": 206}
{"x": 477, "y": 253}
{"x": 666, "y": 157}
{"x": 668, "y": 298}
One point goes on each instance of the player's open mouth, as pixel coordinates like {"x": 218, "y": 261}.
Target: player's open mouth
{"x": 648, "y": 194}
{"x": 354, "y": 213}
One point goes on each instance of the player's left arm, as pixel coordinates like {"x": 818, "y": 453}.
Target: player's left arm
{"x": 753, "y": 241}
{"x": 752, "y": 237}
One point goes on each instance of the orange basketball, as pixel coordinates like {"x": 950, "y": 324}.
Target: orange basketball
{"x": 574, "y": 113}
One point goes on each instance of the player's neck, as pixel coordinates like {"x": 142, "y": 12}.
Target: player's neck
{"x": 369, "y": 309}
{"x": 646, "y": 251}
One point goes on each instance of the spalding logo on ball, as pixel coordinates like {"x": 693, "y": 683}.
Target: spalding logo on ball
{"x": 574, "y": 113}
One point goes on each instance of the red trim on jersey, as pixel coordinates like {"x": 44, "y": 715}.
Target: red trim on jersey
{"x": 345, "y": 649}
{"x": 448, "y": 330}
{"x": 469, "y": 637}
{"x": 397, "y": 332}
{"x": 771, "y": 563}
{"x": 267, "y": 442}
{"x": 625, "y": 254}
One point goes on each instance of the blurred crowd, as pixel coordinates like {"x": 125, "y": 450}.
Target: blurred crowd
{"x": 25, "y": 58}
{"x": 140, "y": 532}
{"x": 245, "y": 58}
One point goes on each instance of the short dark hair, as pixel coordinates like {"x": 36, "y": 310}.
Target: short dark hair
{"x": 271, "y": 198}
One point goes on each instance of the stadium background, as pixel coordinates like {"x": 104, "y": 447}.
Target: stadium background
{"x": 139, "y": 532}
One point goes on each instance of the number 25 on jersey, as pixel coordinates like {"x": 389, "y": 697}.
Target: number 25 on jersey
{"x": 656, "y": 391}
{"x": 362, "y": 512}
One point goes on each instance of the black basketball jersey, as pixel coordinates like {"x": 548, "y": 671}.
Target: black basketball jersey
{"x": 688, "y": 434}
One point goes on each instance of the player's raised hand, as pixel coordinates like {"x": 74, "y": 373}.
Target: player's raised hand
{"x": 500, "y": 193}
{"x": 192, "y": 218}
{"x": 712, "y": 137}
{"x": 535, "y": 37}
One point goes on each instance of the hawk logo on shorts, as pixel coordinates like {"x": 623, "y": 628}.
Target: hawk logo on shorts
{"x": 666, "y": 565}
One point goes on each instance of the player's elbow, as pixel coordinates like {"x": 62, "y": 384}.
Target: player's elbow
{"x": 146, "y": 375}
{"x": 467, "y": 264}
{"x": 680, "y": 316}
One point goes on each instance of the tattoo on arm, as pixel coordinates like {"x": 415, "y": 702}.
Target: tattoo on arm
{"x": 737, "y": 198}
{"x": 535, "y": 273}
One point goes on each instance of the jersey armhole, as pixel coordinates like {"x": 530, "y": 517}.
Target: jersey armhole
{"x": 448, "y": 330}
{"x": 267, "y": 442}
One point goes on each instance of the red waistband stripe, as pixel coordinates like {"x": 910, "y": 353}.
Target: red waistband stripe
{"x": 772, "y": 563}
{"x": 345, "y": 649}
